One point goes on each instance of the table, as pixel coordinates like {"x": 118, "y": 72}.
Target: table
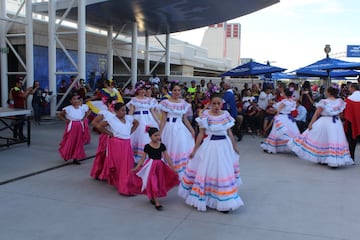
{"x": 14, "y": 114}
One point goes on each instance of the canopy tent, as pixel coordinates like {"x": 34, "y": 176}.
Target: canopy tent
{"x": 252, "y": 68}
{"x": 328, "y": 68}
{"x": 325, "y": 65}
{"x": 328, "y": 73}
{"x": 280, "y": 75}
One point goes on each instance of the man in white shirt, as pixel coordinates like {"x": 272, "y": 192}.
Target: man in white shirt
{"x": 264, "y": 97}
{"x": 154, "y": 80}
{"x": 301, "y": 117}
{"x": 352, "y": 118}
{"x": 263, "y": 102}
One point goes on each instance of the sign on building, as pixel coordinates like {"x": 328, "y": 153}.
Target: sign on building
{"x": 353, "y": 51}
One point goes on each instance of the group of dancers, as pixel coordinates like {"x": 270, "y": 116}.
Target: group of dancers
{"x": 146, "y": 147}
{"x": 324, "y": 141}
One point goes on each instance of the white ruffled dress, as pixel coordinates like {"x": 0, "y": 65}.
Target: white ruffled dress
{"x": 212, "y": 177}
{"x": 326, "y": 142}
{"x": 142, "y": 113}
{"x": 284, "y": 128}
{"x": 175, "y": 135}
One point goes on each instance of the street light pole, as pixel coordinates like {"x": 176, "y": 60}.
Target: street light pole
{"x": 327, "y": 50}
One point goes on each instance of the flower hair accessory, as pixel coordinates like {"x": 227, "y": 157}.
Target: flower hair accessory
{"x": 112, "y": 106}
{"x": 215, "y": 89}
{"x": 104, "y": 100}
{"x": 147, "y": 128}
{"x": 139, "y": 85}
{"x": 336, "y": 86}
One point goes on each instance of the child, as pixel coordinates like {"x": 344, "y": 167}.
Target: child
{"x": 212, "y": 176}
{"x": 157, "y": 177}
{"x": 98, "y": 169}
{"x": 177, "y": 132}
{"x": 87, "y": 136}
{"x": 120, "y": 158}
{"x": 72, "y": 144}
{"x": 143, "y": 110}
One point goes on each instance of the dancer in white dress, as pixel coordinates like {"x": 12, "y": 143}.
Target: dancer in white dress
{"x": 324, "y": 141}
{"x": 143, "y": 110}
{"x": 284, "y": 127}
{"x": 176, "y": 131}
{"x": 212, "y": 176}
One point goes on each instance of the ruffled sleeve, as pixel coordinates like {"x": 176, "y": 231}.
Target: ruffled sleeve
{"x": 202, "y": 122}
{"x": 337, "y": 108}
{"x": 129, "y": 118}
{"x": 174, "y": 108}
{"x": 321, "y": 104}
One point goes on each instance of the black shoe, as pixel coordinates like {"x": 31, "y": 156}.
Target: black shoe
{"x": 152, "y": 201}
{"x": 77, "y": 162}
{"x": 159, "y": 207}
{"x": 239, "y": 137}
{"x": 225, "y": 212}
{"x": 267, "y": 151}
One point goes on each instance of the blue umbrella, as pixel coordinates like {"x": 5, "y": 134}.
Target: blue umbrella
{"x": 328, "y": 73}
{"x": 252, "y": 69}
{"x": 325, "y": 66}
{"x": 281, "y": 75}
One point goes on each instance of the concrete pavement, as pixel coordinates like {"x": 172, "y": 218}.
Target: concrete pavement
{"x": 285, "y": 198}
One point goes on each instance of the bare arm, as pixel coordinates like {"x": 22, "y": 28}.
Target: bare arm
{"x": 131, "y": 109}
{"x": 140, "y": 163}
{"x": 168, "y": 160}
{"x": 188, "y": 125}
{"x": 62, "y": 116}
{"x": 134, "y": 126}
{"x": 231, "y": 136}
{"x": 97, "y": 120}
{"x": 281, "y": 106}
{"x": 99, "y": 123}
{"x": 163, "y": 121}
{"x": 315, "y": 117}
{"x": 155, "y": 116}
{"x": 26, "y": 92}
{"x": 198, "y": 141}
{"x": 87, "y": 114}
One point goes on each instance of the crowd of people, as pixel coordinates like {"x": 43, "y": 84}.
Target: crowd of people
{"x": 160, "y": 134}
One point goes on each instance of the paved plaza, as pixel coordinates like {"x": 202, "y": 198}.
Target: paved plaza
{"x": 285, "y": 199}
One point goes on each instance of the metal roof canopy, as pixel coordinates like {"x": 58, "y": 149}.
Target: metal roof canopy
{"x": 159, "y": 16}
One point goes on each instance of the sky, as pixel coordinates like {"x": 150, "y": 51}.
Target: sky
{"x": 293, "y": 33}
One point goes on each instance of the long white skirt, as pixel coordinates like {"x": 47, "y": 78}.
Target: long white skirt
{"x": 179, "y": 143}
{"x": 282, "y": 131}
{"x": 212, "y": 177}
{"x": 325, "y": 143}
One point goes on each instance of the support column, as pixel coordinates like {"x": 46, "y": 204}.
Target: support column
{"x": 134, "y": 54}
{"x": 52, "y": 53}
{"x": 29, "y": 39}
{"x": 81, "y": 39}
{"x": 146, "y": 56}
{"x": 3, "y": 56}
{"x": 110, "y": 53}
{"x": 167, "y": 55}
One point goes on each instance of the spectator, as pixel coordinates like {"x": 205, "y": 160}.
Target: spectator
{"x": 252, "y": 118}
{"x": 192, "y": 90}
{"x": 129, "y": 91}
{"x": 203, "y": 87}
{"x": 18, "y": 95}
{"x": 37, "y": 101}
{"x": 301, "y": 117}
{"x": 230, "y": 106}
{"x": 306, "y": 100}
{"x": 247, "y": 98}
{"x": 155, "y": 80}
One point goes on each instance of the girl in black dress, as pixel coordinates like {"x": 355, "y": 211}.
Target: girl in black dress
{"x": 155, "y": 176}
